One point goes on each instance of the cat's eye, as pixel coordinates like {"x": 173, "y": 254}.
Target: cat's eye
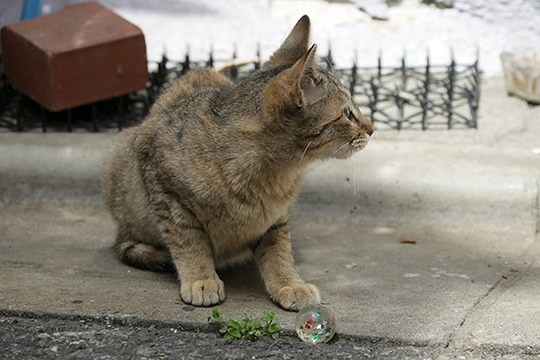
{"x": 348, "y": 113}
{"x": 316, "y": 81}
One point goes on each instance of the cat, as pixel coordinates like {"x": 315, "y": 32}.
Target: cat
{"x": 208, "y": 178}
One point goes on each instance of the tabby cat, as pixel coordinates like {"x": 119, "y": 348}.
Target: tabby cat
{"x": 208, "y": 178}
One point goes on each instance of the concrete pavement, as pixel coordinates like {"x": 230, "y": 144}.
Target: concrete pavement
{"x": 468, "y": 198}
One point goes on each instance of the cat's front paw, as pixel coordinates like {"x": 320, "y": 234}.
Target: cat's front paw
{"x": 205, "y": 292}
{"x": 297, "y": 296}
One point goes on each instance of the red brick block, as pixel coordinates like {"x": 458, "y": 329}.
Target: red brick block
{"x": 81, "y": 54}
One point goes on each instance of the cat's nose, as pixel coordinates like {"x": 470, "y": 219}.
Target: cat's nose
{"x": 363, "y": 122}
{"x": 367, "y": 126}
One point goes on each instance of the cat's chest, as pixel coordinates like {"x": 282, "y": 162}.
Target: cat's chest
{"x": 239, "y": 224}
{"x": 240, "y": 212}
{"x": 247, "y": 221}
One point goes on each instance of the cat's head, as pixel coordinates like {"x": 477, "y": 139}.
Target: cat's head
{"x": 309, "y": 104}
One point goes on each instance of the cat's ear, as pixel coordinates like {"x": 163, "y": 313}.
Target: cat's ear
{"x": 285, "y": 91}
{"x": 295, "y": 74}
{"x": 294, "y": 46}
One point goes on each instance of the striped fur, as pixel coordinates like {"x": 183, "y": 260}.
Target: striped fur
{"x": 207, "y": 180}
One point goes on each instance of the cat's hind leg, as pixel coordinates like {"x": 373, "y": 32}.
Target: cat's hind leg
{"x": 136, "y": 253}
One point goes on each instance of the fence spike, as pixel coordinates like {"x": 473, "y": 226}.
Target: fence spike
{"x": 450, "y": 90}
{"x": 186, "y": 65}
{"x": 258, "y": 55}
{"x": 234, "y": 69}
{"x": 330, "y": 58}
{"x": 210, "y": 62}
{"x": 379, "y": 65}
{"x": 403, "y": 71}
{"x": 354, "y": 69}
{"x": 425, "y": 94}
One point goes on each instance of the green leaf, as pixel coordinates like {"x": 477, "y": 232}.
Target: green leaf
{"x": 216, "y": 315}
{"x": 233, "y": 323}
{"x": 269, "y": 316}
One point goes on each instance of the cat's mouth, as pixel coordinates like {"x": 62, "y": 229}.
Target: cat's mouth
{"x": 349, "y": 149}
{"x": 360, "y": 142}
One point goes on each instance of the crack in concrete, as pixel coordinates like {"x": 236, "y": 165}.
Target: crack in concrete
{"x": 458, "y": 340}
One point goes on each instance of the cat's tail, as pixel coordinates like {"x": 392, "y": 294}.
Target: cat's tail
{"x": 144, "y": 256}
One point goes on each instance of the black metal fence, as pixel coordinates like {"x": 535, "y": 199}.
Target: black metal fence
{"x": 417, "y": 97}
{"x": 400, "y": 97}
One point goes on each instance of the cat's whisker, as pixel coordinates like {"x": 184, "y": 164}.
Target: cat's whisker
{"x": 305, "y": 150}
{"x": 353, "y": 174}
{"x": 339, "y": 148}
{"x": 355, "y": 180}
{"x": 351, "y": 178}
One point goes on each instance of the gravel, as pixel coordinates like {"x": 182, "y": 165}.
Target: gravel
{"x": 49, "y": 337}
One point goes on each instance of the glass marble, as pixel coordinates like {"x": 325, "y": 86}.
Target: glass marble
{"x": 315, "y": 324}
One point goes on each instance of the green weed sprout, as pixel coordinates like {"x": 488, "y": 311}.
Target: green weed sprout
{"x": 246, "y": 328}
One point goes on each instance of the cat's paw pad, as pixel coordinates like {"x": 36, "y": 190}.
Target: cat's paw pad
{"x": 297, "y": 296}
{"x": 206, "y": 292}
